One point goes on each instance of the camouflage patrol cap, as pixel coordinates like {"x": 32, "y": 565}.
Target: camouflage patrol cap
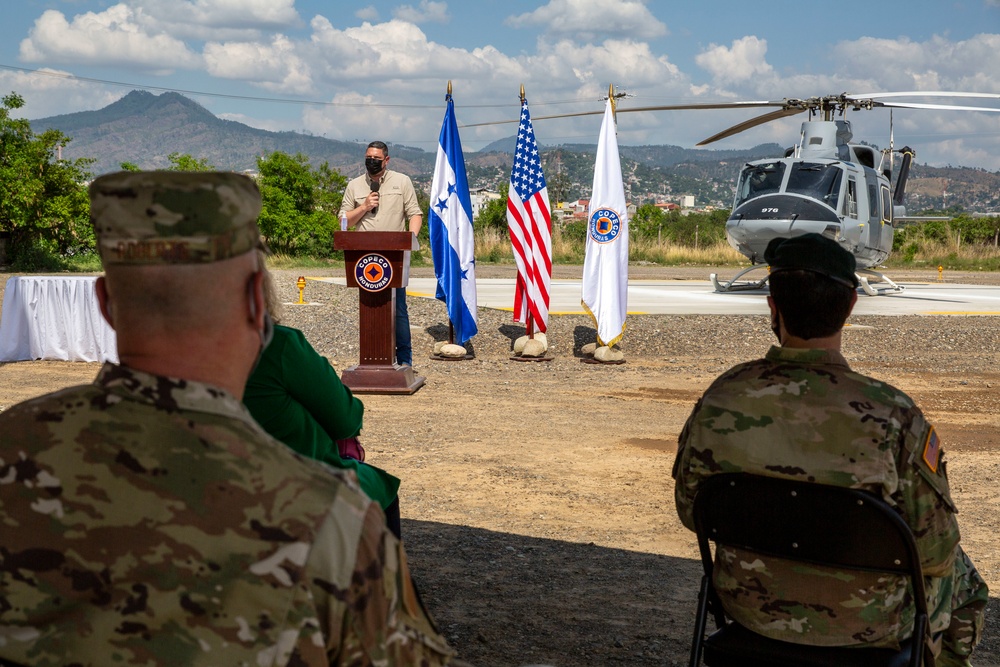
{"x": 812, "y": 252}
{"x": 174, "y": 217}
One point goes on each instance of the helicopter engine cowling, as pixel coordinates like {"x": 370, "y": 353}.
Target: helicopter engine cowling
{"x": 754, "y": 223}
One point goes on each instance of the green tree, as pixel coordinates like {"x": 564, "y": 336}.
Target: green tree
{"x": 494, "y": 214}
{"x": 187, "y": 162}
{"x": 300, "y": 204}
{"x": 696, "y": 229}
{"x": 424, "y": 237}
{"x": 647, "y": 222}
{"x": 44, "y": 209}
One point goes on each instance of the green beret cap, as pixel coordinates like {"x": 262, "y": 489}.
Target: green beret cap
{"x": 812, "y": 252}
{"x": 174, "y": 217}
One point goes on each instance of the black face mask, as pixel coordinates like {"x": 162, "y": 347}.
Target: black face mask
{"x": 373, "y": 165}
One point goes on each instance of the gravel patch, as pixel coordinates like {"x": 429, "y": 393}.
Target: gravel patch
{"x": 963, "y": 343}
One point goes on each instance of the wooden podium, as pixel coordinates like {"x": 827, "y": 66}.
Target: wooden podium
{"x": 377, "y": 262}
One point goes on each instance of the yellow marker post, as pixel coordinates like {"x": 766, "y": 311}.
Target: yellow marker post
{"x": 301, "y": 284}
{"x": 940, "y": 273}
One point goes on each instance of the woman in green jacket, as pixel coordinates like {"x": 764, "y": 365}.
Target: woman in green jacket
{"x": 296, "y": 395}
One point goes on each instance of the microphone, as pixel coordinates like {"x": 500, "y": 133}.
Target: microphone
{"x": 375, "y": 186}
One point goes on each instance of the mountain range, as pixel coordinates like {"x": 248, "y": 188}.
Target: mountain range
{"x": 144, "y": 129}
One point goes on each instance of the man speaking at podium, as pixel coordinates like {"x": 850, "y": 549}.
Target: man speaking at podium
{"x": 384, "y": 201}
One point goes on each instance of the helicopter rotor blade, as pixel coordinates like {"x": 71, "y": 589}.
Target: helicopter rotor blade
{"x": 753, "y": 122}
{"x": 748, "y": 104}
{"x": 943, "y": 107}
{"x": 621, "y": 109}
{"x": 533, "y": 118}
{"x": 788, "y": 107}
{"x": 922, "y": 93}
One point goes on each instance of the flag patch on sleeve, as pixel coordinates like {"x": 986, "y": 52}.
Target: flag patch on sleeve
{"x": 932, "y": 450}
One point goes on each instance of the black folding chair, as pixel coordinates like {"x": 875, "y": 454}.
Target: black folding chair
{"x": 813, "y": 523}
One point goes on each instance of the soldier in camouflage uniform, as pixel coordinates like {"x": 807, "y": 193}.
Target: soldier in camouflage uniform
{"x": 801, "y": 413}
{"x": 147, "y": 519}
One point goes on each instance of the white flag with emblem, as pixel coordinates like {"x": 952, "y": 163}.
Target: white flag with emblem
{"x": 605, "y": 267}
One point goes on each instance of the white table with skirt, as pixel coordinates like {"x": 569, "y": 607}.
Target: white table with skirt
{"x": 54, "y": 317}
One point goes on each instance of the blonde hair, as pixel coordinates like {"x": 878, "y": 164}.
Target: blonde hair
{"x": 271, "y": 300}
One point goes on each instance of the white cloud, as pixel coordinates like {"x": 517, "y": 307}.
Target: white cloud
{"x": 394, "y": 51}
{"x": 428, "y": 11}
{"x": 937, "y": 64}
{"x": 588, "y": 69}
{"x": 217, "y": 19}
{"x": 357, "y": 117}
{"x": 368, "y": 13}
{"x": 222, "y": 13}
{"x": 274, "y": 66}
{"x": 113, "y": 36}
{"x": 52, "y": 92}
{"x": 593, "y": 19}
{"x": 743, "y": 61}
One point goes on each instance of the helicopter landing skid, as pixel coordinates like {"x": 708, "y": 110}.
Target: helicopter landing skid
{"x": 865, "y": 276}
{"x": 735, "y": 286}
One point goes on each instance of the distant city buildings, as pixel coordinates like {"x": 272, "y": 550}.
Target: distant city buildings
{"x": 480, "y": 197}
{"x": 571, "y": 211}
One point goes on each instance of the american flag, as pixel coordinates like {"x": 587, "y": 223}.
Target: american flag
{"x": 530, "y": 223}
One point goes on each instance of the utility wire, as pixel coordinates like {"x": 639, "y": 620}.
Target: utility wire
{"x": 251, "y": 98}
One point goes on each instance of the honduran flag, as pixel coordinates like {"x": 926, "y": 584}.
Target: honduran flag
{"x": 450, "y": 225}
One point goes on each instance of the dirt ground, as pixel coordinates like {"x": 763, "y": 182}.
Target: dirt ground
{"x": 537, "y": 497}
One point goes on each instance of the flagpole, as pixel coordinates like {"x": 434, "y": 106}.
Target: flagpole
{"x": 529, "y": 319}
{"x": 451, "y": 325}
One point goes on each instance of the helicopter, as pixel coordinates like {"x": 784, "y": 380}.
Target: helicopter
{"x": 824, "y": 183}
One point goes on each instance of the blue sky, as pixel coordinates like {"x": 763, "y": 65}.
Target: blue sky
{"x": 365, "y": 70}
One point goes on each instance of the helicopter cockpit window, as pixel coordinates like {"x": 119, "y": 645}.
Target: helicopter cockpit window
{"x": 759, "y": 179}
{"x": 816, "y": 181}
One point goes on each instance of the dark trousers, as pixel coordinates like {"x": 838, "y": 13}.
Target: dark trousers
{"x": 404, "y": 353}
{"x": 392, "y": 519}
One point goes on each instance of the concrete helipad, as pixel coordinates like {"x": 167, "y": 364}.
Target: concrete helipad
{"x": 696, "y": 297}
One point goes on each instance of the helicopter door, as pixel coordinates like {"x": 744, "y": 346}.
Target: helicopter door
{"x": 874, "y": 215}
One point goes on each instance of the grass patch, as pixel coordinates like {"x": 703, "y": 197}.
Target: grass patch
{"x": 283, "y": 261}
{"x": 970, "y": 246}
{"x": 670, "y": 254}
{"x": 950, "y": 256}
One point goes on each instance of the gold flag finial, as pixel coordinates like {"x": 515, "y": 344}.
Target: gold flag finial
{"x": 522, "y": 93}
{"x": 611, "y": 98}
{"x": 449, "y": 87}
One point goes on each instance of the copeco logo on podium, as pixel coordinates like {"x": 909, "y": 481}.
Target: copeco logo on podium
{"x": 373, "y": 272}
